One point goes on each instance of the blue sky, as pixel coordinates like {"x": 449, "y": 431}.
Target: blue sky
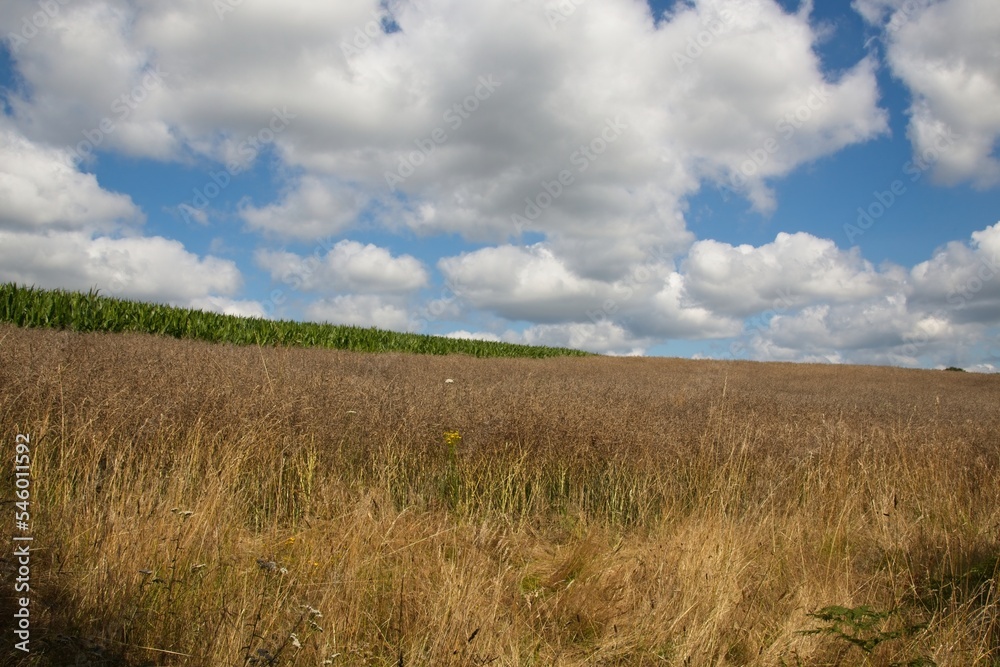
{"x": 715, "y": 178}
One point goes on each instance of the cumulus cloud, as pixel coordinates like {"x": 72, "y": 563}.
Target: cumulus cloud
{"x": 671, "y": 312}
{"x": 349, "y": 266}
{"x": 881, "y": 323}
{"x": 595, "y": 148}
{"x": 42, "y": 188}
{"x": 748, "y": 121}
{"x": 152, "y": 268}
{"x": 821, "y": 303}
{"x": 963, "y": 279}
{"x": 312, "y": 209}
{"x": 792, "y": 271}
{"x": 227, "y": 306}
{"x": 881, "y": 332}
{"x": 89, "y": 84}
{"x": 716, "y": 288}
{"x": 55, "y": 223}
{"x": 945, "y": 52}
{"x": 983, "y": 368}
{"x": 940, "y": 312}
{"x": 532, "y": 284}
{"x": 601, "y": 337}
{"x": 522, "y": 283}
{"x": 462, "y": 334}
{"x": 363, "y": 310}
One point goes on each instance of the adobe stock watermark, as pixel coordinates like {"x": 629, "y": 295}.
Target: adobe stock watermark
{"x": 121, "y": 108}
{"x": 761, "y": 322}
{"x": 223, "y": 7}
{"x": 558, "y": 11}
{"x": 454, "y": 116}
{"x": 903, "y": 14}
{"x": 22, "y": 541}
{"x": 48, "y": 10}
{"x": 364, "y": 36}
{"x": 246, "y": 152}
{"x": 785, "y": 128}
{"x": 626, "y": 289}
{"x": 883, "y": 200}
{"x": 295, "y": 280}
{"x": 986, "y": 271}
{"x": 713, "y": 26}
{"x": 561, "y": 11}
{"x": 581, "y": 158}
{"x": 436, "y": 308}
{"x": 783, "y": 302}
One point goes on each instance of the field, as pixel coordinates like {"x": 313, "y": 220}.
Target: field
{"x": 90, "y": 311}
{"x": 215, "y": 505}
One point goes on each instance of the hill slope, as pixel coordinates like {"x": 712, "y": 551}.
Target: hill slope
{"x": 61, "y": 309}
{"x": 201, "y": 505}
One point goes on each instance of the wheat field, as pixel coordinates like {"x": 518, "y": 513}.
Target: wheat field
{"x": 213, "y": 505}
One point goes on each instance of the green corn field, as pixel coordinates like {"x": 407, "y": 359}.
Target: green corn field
{"x": 84, "y": 312}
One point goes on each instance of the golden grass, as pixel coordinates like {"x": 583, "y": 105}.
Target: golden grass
{"x": 196, "y": 504}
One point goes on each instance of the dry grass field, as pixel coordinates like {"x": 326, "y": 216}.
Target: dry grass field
{"x": 221, "y": 506}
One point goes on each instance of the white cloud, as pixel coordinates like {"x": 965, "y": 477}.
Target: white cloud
{"x": 532, "y": 284}
{"x": 747, "y": 120}
{"x": 983, "y": 368}
{"x": 53, "y": 221}
{"x": 493, "y": 122}
{"x": 363, "y": 310}
{"x": 349, "y": 266}
{"x": 227, "y": 306}
{"x": 150, "y": 268}
{"x": 601, "y": 337}
{"x": 963, "y": 279}
{"x": 374, "y": 285}
{"x": 940, "y": 312}
{"x": 880, "y": 332}
{"x": 190, "y": 213}
{"x": 522, "y": 284}
{"x": 41, "y": 188}
{"x": 851, "y": 327}
{"x": 90, "y": 84}
{"x": 945, "y": 52}
{"x": 792, "y": 271}
{"x": 718, "y": 285}
{"x": 877, "y": 11}
{"x": 671, "y": 313}
{"x": 462, "y": 334}
{"x": 313, "y": 209}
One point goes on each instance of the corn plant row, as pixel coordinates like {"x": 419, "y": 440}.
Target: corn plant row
{"x": 90, "y": 311}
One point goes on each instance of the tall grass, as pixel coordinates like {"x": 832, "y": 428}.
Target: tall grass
{"x": 85, "y": 312}
{"x": 225, "y": 506}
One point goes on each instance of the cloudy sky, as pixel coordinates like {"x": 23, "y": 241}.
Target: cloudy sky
{"x": 763, "y": 179}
